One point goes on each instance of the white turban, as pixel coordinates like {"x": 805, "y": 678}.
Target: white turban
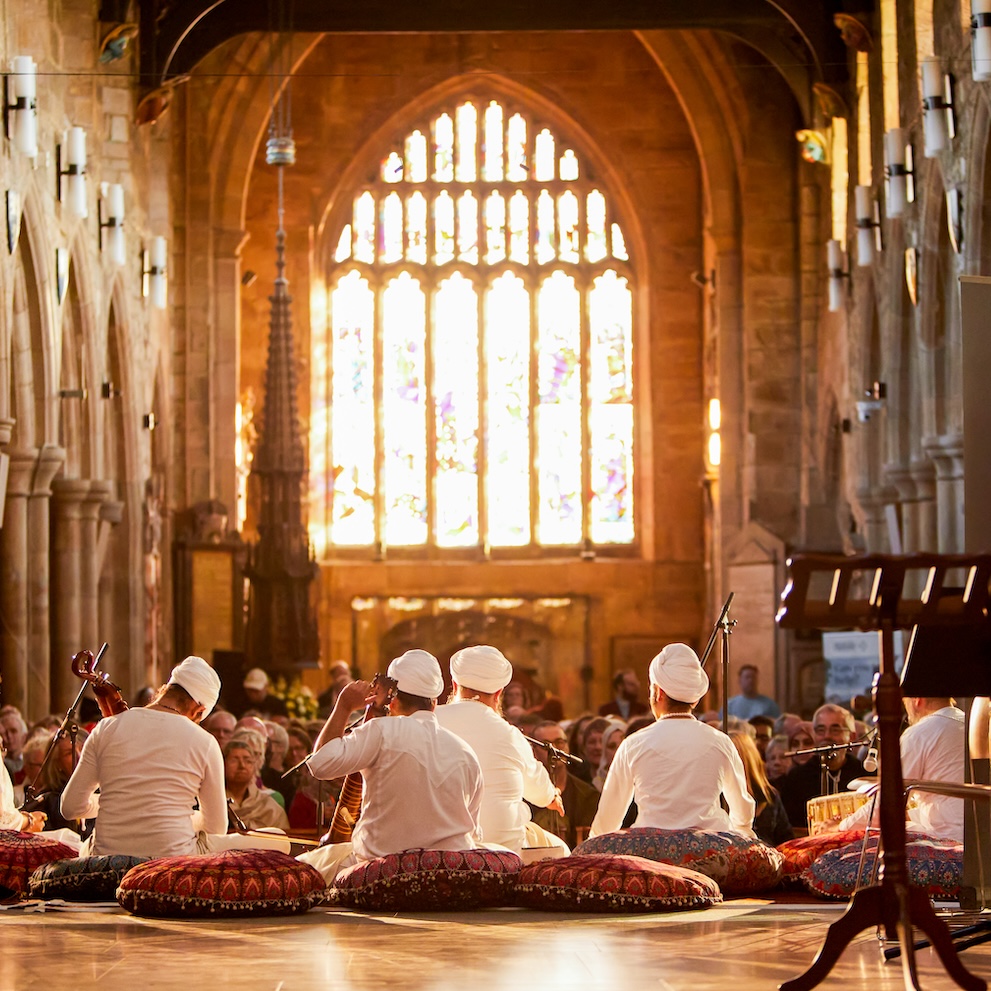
{"x": 483, "y": 668}
{"x": 199, "y": 679}
{"x": 677, "y": 671}
{"x": 417, "y": 673}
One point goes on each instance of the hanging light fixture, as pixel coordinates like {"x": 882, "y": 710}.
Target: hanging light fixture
{"x": 980, "y": 39}
{"x": 112, "y": 205}
{"x": 937, "y": 104}
{"x": 899, "y": 171}
{"x": 71, "y": 180}
{"x": 22, "y": 113}
{"x": 154, "y": 273}
{"x": 834, "y": 262}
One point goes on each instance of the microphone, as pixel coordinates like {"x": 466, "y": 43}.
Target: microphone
{"x": 870, "y": 761}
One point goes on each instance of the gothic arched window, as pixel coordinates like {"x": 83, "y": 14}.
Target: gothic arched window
{"x": 473, "y": 384}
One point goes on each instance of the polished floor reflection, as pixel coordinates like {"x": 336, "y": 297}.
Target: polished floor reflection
{"x": 741, "y": 945}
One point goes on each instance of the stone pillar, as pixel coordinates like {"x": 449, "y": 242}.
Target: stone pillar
{"x": 14, "y": 581}
{"x": 946, "y": 453}
{"x": 900, "y": 478}
{"x": 924, "y": 475}
{"x": 873, "y": 501}
{"x": 110, "y": 601}
{"x": 50, "y": 460}
{"x": 89, "y": 570}
{"x": 68, "y": 495}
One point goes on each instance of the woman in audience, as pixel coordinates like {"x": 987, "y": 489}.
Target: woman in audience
{"x": 802, "y": 738}
{"x": 770, "y": 821}
{"x": 612, "y": 737}
{"x": 775, "y": 762}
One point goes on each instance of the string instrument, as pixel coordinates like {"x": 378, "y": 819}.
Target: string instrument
{"x": 108, "y": 695}
{"x": 348, "y": 806}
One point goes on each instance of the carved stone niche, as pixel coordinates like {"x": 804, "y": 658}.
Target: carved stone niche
{"x": 209, "y": 585}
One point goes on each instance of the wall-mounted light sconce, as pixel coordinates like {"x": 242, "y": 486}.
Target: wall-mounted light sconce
{"x": 899, "y": 170}
{"x": 154, "y": 277}
{"x": 980, "y": 39}
{"x": 834, "y": 262}
{"x": 70, "y": 182}
{"x": 148, "y": 421}
{"x": 72, "y": 393}
{"x": 874, "y": 401}
{"x": 714, "y": 444}
{"x": 107, "y": 391}
{"x": 939, "y": 124}
{"x": 868, "y": 225}
{"x": 954, "y": 217}
{"x": 112, "y": 205}
{"x": 22, "y": 106}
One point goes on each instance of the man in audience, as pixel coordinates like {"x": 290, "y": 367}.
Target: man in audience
{"x": 763, "y": 731}
{"x": 220, "y": 725}
{"x": 422, "y": 784}
{"x": 257, "y": 696}
{"x": 750, "y": 702}
{"x": 253, "y": 807}
{"x": 626, "y": 696}
{"x": 579, "y": 798}
{"x": 14, "y": 733}
{"x": 511, "y": 775}
{"x": 832, "y": 726}
{"x": 678, "y": 770}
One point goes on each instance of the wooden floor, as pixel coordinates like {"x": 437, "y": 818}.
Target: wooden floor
{"x": 741, "y": 945}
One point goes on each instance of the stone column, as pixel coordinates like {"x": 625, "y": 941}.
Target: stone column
{"x": 900, "y": 478}
{"x": 89, "y": 569}
{"x": 873, "y": 501}
{"x": 924, "y": 476}
{"x": 110, "y": 587}
{"x": 50, "y": 460}
{"x": 14, "y": 581}
{"x": 68, "y": 495}
{"x": 946, "y": 453}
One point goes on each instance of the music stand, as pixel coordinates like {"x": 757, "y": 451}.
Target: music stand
{"x": 869, "y": 593}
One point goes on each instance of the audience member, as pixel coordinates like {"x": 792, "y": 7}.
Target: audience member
{"x": 53, "y": 781}
{"x": 763, "y": 731}
{"x": 220, "y": 725}
{"x": 802, "y": 738}
{"x": 626, "y": 696}
{"x": 34, "y": 756}
{"x": 774, "y": 759}
{"x": 14, "y": 734}
{"x": 785, "y": 724}
{"x": 258, "y": 696}
{"x": 770, "y": 820}
{"x": 750, "y": 702}
{"x": 612, "y": 737}
{"x": 252, "y": 806}
{"x": 576, "y": 733}
{"x": 592, "y": 743}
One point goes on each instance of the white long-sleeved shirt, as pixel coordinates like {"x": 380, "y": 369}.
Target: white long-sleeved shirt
{"x": 10, "y": 818}
{"x": 677, "y": 769}
{"x": 510, "y": 772}
{"x": 932, "y": 750}
{"x": 422, "y": 785}
{"x": 150, "y": 767}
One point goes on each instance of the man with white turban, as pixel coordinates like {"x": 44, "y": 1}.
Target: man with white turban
{"x": 422, "y": 784}
{"x": 677, "y": 769}
{"x": 511, "y": 773}
{"x": 151, "y": 766}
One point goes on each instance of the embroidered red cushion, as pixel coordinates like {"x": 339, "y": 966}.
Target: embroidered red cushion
{"x": 805, "y": 850}
{"x": 429, "y": 881}
{"x": 232, "y": 882}
{"x": 22, "y": 853}
{"x": 612, "y": 883}
{"x": 738, "y": 864}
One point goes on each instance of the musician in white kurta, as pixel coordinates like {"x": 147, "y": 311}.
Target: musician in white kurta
{"x": 422, "y": 784}
{"x": 511, "y": 773}
{"x": 678, "y": 769}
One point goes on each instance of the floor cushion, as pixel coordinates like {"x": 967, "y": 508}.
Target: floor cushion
{"x": 429, "y": 881}
{"x": 229, "y": 883}
{"x": 933, "y": 864}
{"x": 82, "y": 879}
{"x": 22, "y": 853}
{"x": 738, "y": 864}
{"x": 801, "y": 852}
{"x": 612, "y": 883}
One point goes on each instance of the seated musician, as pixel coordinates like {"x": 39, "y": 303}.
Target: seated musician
{"x": 151, "y": 767}
{"x": 932, "y": 749}
{"x": 678, "y": 769}
{"x": 832, "y": 725}
{"x": 422, "y": 784}
{"x": 511, "y": 774}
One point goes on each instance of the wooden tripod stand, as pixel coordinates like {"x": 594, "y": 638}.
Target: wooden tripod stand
{"x": 869, "y": 593}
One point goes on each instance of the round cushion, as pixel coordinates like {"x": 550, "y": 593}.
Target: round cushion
{"x": 803, "y": 851}
{"x": 933, "y": 864}
{"x": 612, "y": 883}
{"x": 232, "y": 882}
{"x": 429, "y": 881}
{"x": 22, "y": 853}
{"x": 84, "y": 879}
{"x": 738, "y": 864}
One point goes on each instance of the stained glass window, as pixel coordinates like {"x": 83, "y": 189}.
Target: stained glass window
{"x": 473, "y": 382}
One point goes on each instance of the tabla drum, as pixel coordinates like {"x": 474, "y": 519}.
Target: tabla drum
{"x": 824, "y": 810}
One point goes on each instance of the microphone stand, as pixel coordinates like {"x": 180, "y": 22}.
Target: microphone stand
{"x": 725, "y": 625}
{"x": 826, "y": 753}
{"x": 68, "y": 726}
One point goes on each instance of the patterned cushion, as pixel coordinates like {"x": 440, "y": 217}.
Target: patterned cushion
{"x": 739, "y": 865}
{"x": 21, "y": 853}
{"x": 800, "y": 853}
{"x": 933, "y": 864}
{"x": 430, "y": 881}
{"x": 612, "y": 883}
{"x": 85, "y": 879}
{"x": 233, "y": 882}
